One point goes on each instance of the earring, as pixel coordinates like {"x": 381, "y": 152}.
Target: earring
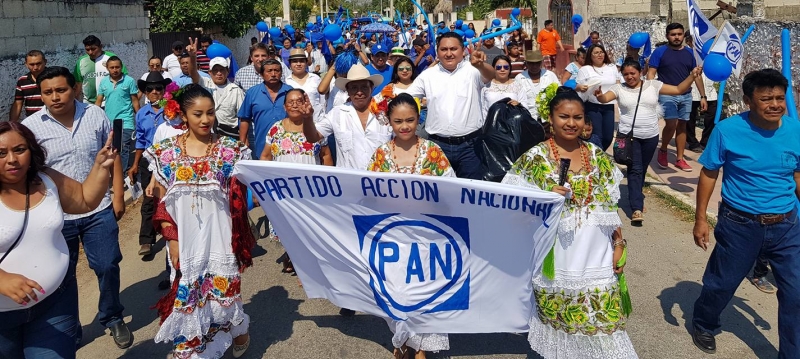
{"x": 184, "y": 126}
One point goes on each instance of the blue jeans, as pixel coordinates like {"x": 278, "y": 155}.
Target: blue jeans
{"x": 46, "y": 329}
{"x": 463, "y": 158}
{"x": 99, "y": 234}
{"x": 602, "y": 118}
{"x": 676, "y": 107}
{"x": 739, "y": 242}
{"x": 642, "y": 151}
{"x": 128, "y": 143}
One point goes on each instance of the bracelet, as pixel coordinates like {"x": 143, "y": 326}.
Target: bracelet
{"x": 622, "y": 242}
{"x": 703, "y": 97}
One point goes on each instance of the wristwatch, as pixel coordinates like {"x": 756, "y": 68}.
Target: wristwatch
{"x": 703, "y": 97}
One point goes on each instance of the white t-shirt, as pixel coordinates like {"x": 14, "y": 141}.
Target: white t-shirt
{"x": 164, "y": 74}
{"x": 173, "y": 65}
{"x": 711, "y": 92}
{"x": 608, "y": 75}
{"x": 649, "y": 109}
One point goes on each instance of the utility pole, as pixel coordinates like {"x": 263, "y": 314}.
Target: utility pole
{"x": 286, "y": 11}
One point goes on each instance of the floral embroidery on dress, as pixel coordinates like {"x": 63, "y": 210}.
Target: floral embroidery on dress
{"x": 587, "y": 312}
{"x": 430, "y": 162}
{"x": 184, "y": 348}
{"x": 284, "y": 142}
{"x": 222, "y": 289}
{"x": 197, "y": 170}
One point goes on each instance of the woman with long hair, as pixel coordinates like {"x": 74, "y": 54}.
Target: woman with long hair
{"x": 502, "y": 86}
{"x": 645, "y": 130}
{"x": 203, "y": 217}
{"x": 410, "y": 154}
{"x": 598, "y": 72}
{"x": 38, "y": 292}
{"x": 581, "y": 306}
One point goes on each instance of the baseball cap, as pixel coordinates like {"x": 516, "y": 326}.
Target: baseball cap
{"x": 378, "y": 48}
{"x": 218, "y": 61}
{"x": 177, "y": 45}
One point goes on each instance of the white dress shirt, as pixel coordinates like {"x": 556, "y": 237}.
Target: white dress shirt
{"x": 173, "y": 65}
{"x": 454, "y": 99}
{"x": 607, "y": 75}
{"x": 532, "y": 89}
{"x": 354, "y": 143}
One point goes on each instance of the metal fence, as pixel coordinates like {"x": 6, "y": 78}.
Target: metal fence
{"x": 561, "y": 14}
{"x": 162, "y": 42}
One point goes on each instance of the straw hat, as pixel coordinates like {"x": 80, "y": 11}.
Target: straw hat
{"x": 297, "y": 54}
{"x": 397, "y": 51}
{"x": 358, "y": 72}
{"x": 533, "y": 56}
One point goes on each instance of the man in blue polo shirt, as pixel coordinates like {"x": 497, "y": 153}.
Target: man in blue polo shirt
{"x": 379, "y": 66}
{"x": 759, "y": 153}
{"x": 263, "y": 106}
{"x": 673, "y": 63}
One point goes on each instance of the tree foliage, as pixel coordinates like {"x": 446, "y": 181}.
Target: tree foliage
{"x": 233, "y": 17}
{"x": 480, "y": 8}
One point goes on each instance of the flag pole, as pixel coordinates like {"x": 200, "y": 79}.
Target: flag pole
{"x": 721, "y": 93}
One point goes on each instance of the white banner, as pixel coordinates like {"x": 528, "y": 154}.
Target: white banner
{"x": 701, "y": 28}
{"x": 728, "y": 43}
{"x": 436, "y": 254}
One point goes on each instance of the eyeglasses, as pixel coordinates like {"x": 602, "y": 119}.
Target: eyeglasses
{"x": 404, "y": 68}
{"x": 295, "y": 103}
{"x": 502, "y": 67}
{"x": 151, "y": 88}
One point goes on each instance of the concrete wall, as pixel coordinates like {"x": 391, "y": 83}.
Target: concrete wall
{"x": 58, "y": 27}
{"x": 240, "y": 47}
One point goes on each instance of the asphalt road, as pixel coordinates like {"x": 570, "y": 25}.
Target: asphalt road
{"x": 664, "y": 271}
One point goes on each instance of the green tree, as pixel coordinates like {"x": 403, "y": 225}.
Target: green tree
{"x": 233, "y": 17}
{"x": 480, "y": 8}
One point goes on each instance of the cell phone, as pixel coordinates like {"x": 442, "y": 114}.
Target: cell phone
{"x": 117, "y": 140}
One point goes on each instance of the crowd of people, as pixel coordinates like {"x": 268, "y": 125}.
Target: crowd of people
{"x": 401, "y": 104}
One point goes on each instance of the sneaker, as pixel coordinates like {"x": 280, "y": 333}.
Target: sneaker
{"x": 637, "y": 217}
{"x": 683, "y": 166}
{"x": 763, "y": 285}
{"x": 145, "y": 249}
{"x": 696, "y": 148}
{"x": 347, "y": 312}
{"x": 662, "y": 159}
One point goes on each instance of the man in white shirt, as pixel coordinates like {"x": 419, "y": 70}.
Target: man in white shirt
{"x": 453, "y": 91}
{"x": 319, "y": 65}
{"x": 535, "y": 80}
{"x": 172, "y": 62}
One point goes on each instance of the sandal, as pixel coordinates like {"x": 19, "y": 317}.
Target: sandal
{"x": 238, "y": 350}
{"x": 763, "y": 285}
{"x": 637, "y": 217}
{"x": 287, "y": 263}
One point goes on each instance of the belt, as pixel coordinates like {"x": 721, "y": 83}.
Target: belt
{"x": 764, "y": 219}
{"x": 456, "y": 140}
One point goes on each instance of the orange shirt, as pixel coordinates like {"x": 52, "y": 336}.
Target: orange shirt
{"x": 547, "y": 42}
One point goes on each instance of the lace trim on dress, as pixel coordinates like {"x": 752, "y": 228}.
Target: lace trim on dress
{"x": 428, "y": 342}
{"x": 573, "y": 281}
{"x": 555, "y": 344}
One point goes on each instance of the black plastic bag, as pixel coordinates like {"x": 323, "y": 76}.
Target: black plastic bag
{"x": 509, "y": 131}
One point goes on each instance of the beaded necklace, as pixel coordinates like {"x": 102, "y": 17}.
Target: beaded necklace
{"x": 416, "y": 155}
{"x": 584, "y": 150}
{"x": 211, "y": 144}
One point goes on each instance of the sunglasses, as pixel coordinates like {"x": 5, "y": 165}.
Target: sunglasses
{"x": 502, "y": 67}
{"x": 404, "y": 68}
{"x": 151, "y": 88}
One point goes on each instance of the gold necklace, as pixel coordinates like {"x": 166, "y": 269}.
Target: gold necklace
{"x": 416, "y": 154}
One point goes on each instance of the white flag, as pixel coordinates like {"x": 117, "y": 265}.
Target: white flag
{"x": 729, "y": 44}
{"x": 433, "y": 254}
{"x": 701, "y": 28}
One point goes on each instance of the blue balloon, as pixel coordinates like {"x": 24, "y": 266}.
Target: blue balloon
{"x": 459, "y": 32}
{"x": 262, "y": 26}
{"x": 515, "y": 11}
{"x": 706, "y": 49}
{"x": 275, "y": 32}
{"x": 496, "y": 22}
{"x": 218, "y": 50}
{"x": 310, "y": 26}
{"x": 289, "y": 29}
{"x": 577, "y": 19}
{"x": 638, "y": 40}
{"x": 716, "y": 67}
{"x": 459, "y": 23}
{"x": 338, "y": 41}
{"x": 469, "y": 33}
{"x": 571, "y": 84}
{"x": 464, "y": 27}
{"x": 332, "y": 32}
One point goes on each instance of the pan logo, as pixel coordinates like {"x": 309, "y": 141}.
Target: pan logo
{"x": 416, "y": 266}
{"x": 733, "y": 51}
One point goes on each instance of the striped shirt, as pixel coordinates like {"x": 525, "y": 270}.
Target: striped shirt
{"x": 73, "y": 151}
{"x": 202, "y": 61}
{"x": 29, "y": 93}
{"x": 517, "y": 67}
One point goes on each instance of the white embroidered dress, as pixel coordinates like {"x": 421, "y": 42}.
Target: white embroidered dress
{"x": 207, "y": 313}
{"x": 578, "y": 313}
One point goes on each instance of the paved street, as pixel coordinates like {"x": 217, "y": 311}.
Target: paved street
{"x": 664, "y": 272}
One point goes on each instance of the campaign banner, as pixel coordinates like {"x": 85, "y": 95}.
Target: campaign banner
{"x": 433, "y": 254}
{"x": 728, "y": 43}
{"x": 700, "y": 27}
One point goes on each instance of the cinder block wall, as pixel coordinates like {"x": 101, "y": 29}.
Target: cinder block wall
{"x": 58, "y": 28}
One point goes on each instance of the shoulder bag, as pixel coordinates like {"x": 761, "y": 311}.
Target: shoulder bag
{"x": 623, "y": 142}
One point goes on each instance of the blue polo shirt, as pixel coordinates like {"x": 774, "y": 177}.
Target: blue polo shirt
{"x": 673, "y": 66}
{"x": 387, "y": 77}
{"x": 147, "y": 121}
{"x": 119, "y": 104}
{"x": 758, "y": 165}
{"x": 259, "y": 109}
{"x": 183, "y": 79}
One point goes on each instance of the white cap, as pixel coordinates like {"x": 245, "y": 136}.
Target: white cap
{"x": 218, "y": 61}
